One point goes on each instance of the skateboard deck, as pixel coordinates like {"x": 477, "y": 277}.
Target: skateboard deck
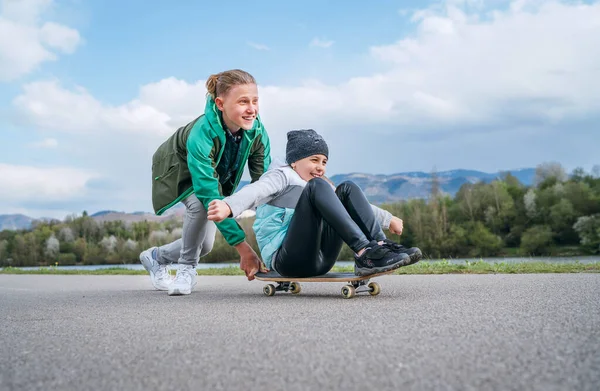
{"x": 356, "y": 284}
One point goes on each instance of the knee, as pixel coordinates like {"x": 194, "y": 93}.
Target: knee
{"x": 209, "y": 239}
{"x": 346, "y": 187}
{"x": 195, "y": 208}
{"x": 207, "y": 247}
{"x": 318, "y": 183}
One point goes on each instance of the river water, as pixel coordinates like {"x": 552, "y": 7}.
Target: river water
{"x": 580, "y": 259}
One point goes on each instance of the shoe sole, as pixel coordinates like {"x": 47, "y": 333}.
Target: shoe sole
{"x": 382, "y": 269}
{"x": 179, "y": 292}
{"x": 415, "y": 257}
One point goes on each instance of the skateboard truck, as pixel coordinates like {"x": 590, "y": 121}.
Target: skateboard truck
{"x": 292, "y": 287}
{"x": 350, "y": 290}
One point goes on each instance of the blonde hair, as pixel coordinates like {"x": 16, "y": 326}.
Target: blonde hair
{"x": 220, "y": 83}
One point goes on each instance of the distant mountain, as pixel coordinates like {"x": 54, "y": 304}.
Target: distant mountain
{"x": 15, "y": 222}
{"x": 379, "y": 188}
{"x": 111, "y": 215}
{"x": 417, "y": 184}
{"x": 103, "y": 213}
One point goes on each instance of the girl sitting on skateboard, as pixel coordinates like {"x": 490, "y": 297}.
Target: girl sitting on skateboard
{"x": 302, "y": 220}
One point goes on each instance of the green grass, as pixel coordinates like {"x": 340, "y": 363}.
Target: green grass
{"x": 481, "y": 267}
{"x": 441, "y": 267}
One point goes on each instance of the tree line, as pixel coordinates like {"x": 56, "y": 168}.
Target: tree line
{"x": 558, "y": 214}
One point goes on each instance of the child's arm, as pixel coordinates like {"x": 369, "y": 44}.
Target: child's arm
{"x": 257, "y": 193}
{"x": 383, "y": 216}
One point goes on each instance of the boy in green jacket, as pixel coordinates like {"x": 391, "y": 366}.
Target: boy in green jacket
{"x": 203, "y": 161}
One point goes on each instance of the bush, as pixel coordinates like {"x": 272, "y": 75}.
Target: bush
{"x": 68, "y": 259}
{"x": 483, "y": 243}
{"x": 588, "y": 229}
{"x": 537, "y": 240}
{"x": 456, "y": 243}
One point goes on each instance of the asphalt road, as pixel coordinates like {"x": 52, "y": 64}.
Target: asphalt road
{"x": 448, "y": 332}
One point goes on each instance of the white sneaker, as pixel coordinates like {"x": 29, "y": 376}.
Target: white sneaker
{"x": 159, "y": 274}
{"x": 184, "y": 282}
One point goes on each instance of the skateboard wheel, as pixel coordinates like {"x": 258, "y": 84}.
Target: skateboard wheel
{"x": 375, "y": 288}
{"x": 295, "y": 288}
{"x": 269, "y": 290}
{"x": 348, "y": 291}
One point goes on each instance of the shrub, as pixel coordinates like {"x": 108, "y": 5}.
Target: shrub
{"x": 537, "y": 240}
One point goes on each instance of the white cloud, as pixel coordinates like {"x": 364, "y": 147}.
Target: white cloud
{"x": 25, "y": 11}
{"x": 178, "y": 99}
{"x": 48, "y": 143}
{"x": 258, "y": 46}
{"x": 518, "y": 58}
{"x": 60, "y": 37}
{"x": 459, "y": 68}
{"x": 25, "y": 43}
{"x": 320, "y": 43}
{"x": 48, "y": 105}
{"x": 27, "y": 183}
{"x": 469, "y": 85}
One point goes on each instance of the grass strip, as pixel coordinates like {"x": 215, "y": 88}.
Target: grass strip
{"x": 423, "y": 267}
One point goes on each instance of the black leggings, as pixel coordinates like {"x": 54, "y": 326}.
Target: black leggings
{"x": 322, "y": 222}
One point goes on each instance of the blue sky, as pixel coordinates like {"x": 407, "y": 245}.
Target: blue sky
{"x": 392, "y": 85}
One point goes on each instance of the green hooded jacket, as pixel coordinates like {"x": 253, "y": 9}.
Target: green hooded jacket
{"x": 186, "y": 162}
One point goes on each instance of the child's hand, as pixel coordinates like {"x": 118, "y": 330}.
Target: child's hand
{"x": 250, "y": 263}
{"x": 396, "y": 226}
{"x": 218, "y": 210}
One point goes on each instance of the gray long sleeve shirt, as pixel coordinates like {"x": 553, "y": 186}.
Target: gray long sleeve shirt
{"x": 281, "y": 186}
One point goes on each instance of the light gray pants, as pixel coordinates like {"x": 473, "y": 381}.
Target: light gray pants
{"x": 197, "y": 239}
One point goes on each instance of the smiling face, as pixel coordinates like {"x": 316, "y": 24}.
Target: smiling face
{"x": 310, "y": 167}
{"x": 239, "y": 106}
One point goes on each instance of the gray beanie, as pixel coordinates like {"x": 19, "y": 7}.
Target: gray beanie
{"x": 303, "y": 143}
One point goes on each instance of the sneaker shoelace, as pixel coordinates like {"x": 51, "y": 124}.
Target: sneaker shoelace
{"x": 163, "y": 272}
{"x": 183, "y": 276}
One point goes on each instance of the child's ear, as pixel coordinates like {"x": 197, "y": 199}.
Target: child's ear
{"x": 219, "y": 103}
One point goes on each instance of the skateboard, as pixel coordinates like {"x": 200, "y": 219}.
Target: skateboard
{"x": 356, "y": 284}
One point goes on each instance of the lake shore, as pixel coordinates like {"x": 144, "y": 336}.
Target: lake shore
{"x": 423, "y": 267}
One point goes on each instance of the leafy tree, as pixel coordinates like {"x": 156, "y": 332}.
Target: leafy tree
{"x": 80, "y": 249}
{"x": 52, "y": 248}
{"x": 109, "y": 243}
{"x": 537, "y": 240}
{"x": 482, "y": 242}
{"x": 66, "y": 234}
{"x": 588, "y": 228}
{"x": 4, "y": 254}
{"x": 562, "y": 217}
{"x": 578, "y": 175}
{"x": 585, "y": 200}
{"x": 549, "y": 173}
{"x": 529, "y": 200}
{"x": 68, "y": 259}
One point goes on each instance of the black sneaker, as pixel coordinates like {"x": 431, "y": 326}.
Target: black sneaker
{"x": 414, "y": 253}
{"x": 378, "y": 259}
